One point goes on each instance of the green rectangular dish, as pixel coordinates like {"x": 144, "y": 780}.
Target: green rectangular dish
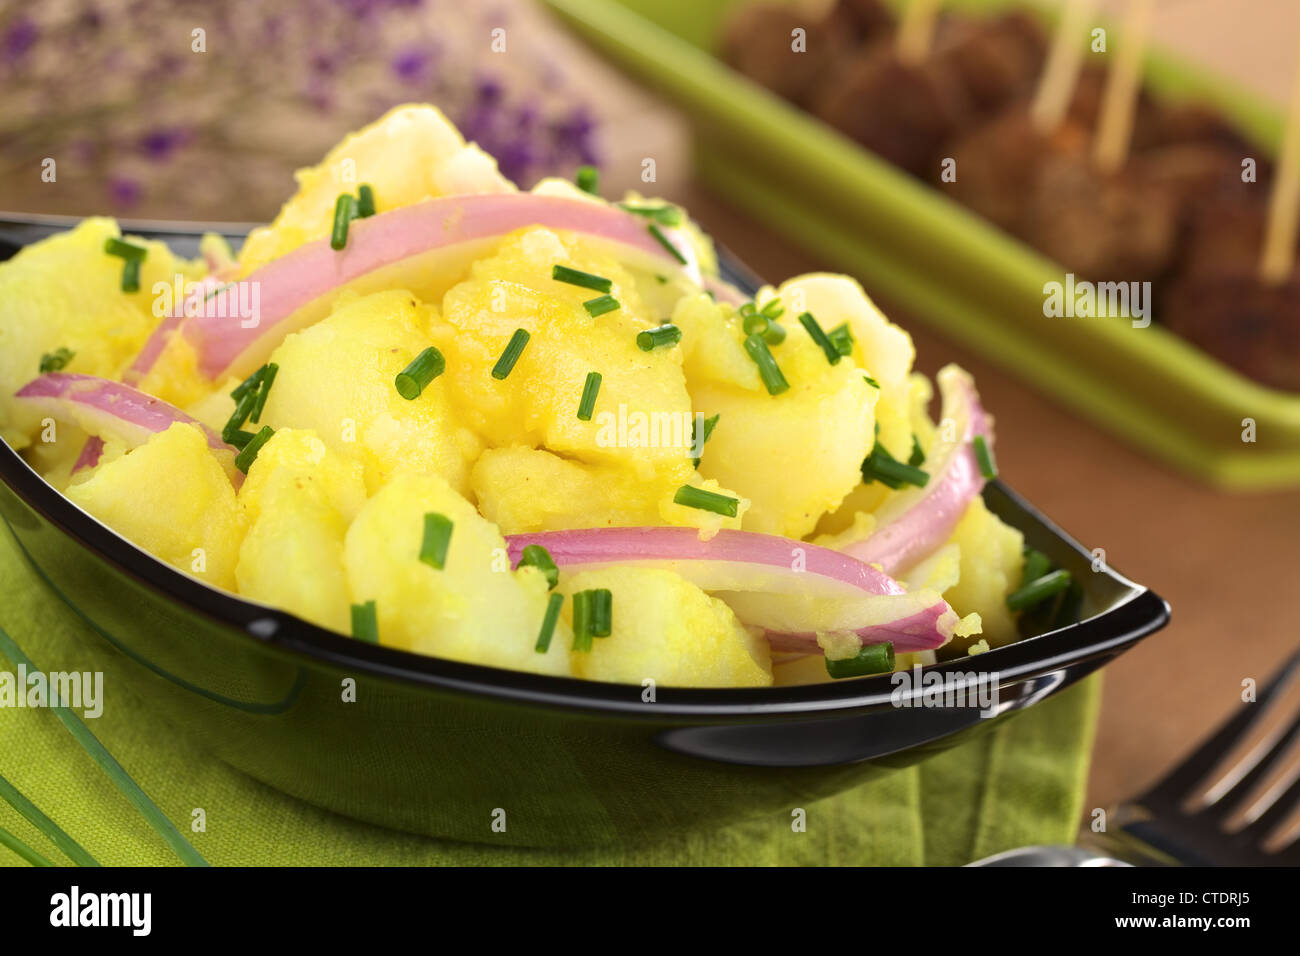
{"x": 912, "y": 245}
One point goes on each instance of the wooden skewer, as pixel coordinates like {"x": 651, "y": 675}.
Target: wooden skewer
{"x": 1123, "y": 83}
{"x": 1283, "y": 205}
{"x": 916, "y": 31}
{"x": 1052, "y": 98}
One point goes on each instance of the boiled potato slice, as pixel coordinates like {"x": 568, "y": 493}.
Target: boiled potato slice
{"x": 794, "y": 455}
{"x": 475, "y": 609}
{"x": 642, "y": 416}
{"x": 66, "y": 292}
{"x": 336, "y": 378}
{"x": 881, "y": 347}
{"x": 667, "y": 630}
{"x": 172, "y": 498}
{"x": 530, "y": 489}
{"x": 992, "y": 562}
{"x": 299, "y": 499}
{"x": 409, "y": 154}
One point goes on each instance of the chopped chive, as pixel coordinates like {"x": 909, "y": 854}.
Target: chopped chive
{"x": 809, "y": 322}
{"x": 247, "y": 385}
{"x": 248, "y": 454}
{"x": 415, "y": 378}
{"x": 602, "y": 612}
{"x": 1038, "y": 590}
{"x": 345, "y": 210}
{"x": 437, "y": 538}
{"x": 917, "y": 458}
{"x": 243, "y": 408}
{"x": 870, "y": 659}
{"x": 237, "y": 437}
{"x": 773, "y": 309}
{"x": 590, "y": 389}
{"x": 881, "y": 466}
{"x": 665, "y": 336}
{"x": 582, "y": 622}
{"x": 870, "y": 381}
{"x": 125, "y": 250}
{"x": 663, "y": 213}
{"x": 754, "y": 323}
{"x": 56, "y": 360}
{"x": 536, "y": 556}
{"x": 592, "y": 617}
{"x": 775, "y": 333}
{"x": 600, "y": 305}
{"x": 514, "y": 349}
{"x": 706, "y": 501}
{"x": 706, "y": 431}
{"x": 588, "y": 180}
{"x": 1036, "y": 565}
{"x": 842, "y": 338}
{"x": 663, "y": 241}
{"x": 263, "y": 390}
{"x": 365, "y": 622}
{"x": 768, "y": 370}
{"x": 131, "y": 275}
{"x": 984, "y": 455}
{"x": 549, "y": 620}
{"x": 365, "y": 201}
{"x": 578, "y": 277}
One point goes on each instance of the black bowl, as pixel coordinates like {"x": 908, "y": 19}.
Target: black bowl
{"x": 438, "y": 747}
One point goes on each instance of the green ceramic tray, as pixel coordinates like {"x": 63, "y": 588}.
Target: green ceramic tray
{"x": 913, "y": 245}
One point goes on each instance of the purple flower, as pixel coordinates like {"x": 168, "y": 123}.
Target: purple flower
{"x": 159, "y": 144}
{"x": 18, "y": 39}
{"x": 124, "y": 190}
{"x": 411, "y": 65}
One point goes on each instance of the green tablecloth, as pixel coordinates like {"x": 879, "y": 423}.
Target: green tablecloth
{"x": 1019, "y": 785}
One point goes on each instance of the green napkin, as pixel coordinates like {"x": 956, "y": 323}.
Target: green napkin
{"x": 1020, "y": 784}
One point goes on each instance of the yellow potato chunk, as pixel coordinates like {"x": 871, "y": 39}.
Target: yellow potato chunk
{"x": 474, "y": 609}
{"x": 880, "y": 347}
{"x": 794, "y": 455}
{"x": 409, "y": 154}
{"x": 667, "y": 630}
{"x": 299, "y": 499}
{"x": 530, "y": 489}
{"x": 642, "y": 417}
{"x": 336, "y": 379}
{"x": 66, "y": 292}
{"x": 992, "y": 562}
{"x": 170, "y": 497}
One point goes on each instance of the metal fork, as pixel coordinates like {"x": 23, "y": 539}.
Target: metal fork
{"x": 1158, "y": 828}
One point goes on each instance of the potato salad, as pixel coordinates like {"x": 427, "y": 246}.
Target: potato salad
{"x": 528, "y": 430}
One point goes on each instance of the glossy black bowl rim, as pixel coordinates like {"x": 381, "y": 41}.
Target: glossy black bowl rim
{"x": 1102, "y": 635}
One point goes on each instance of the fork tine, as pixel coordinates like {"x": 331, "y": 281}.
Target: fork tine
{"x": 1180, "y": 781}
{"x": 1274, "y": 813}
{"x": 1227, "y": 795}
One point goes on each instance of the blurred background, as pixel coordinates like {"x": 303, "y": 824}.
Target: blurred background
{"x": 147, "y": 118}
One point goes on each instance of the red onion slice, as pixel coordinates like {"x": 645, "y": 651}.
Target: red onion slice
{"x": 912, "y": 523}
{"x": 789, "y": 588}
{"x": 152, "y": 350}
{"x": 110, "y": 408}
{"x": 440, "y": 235}
{"x": 90, "y": 454}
